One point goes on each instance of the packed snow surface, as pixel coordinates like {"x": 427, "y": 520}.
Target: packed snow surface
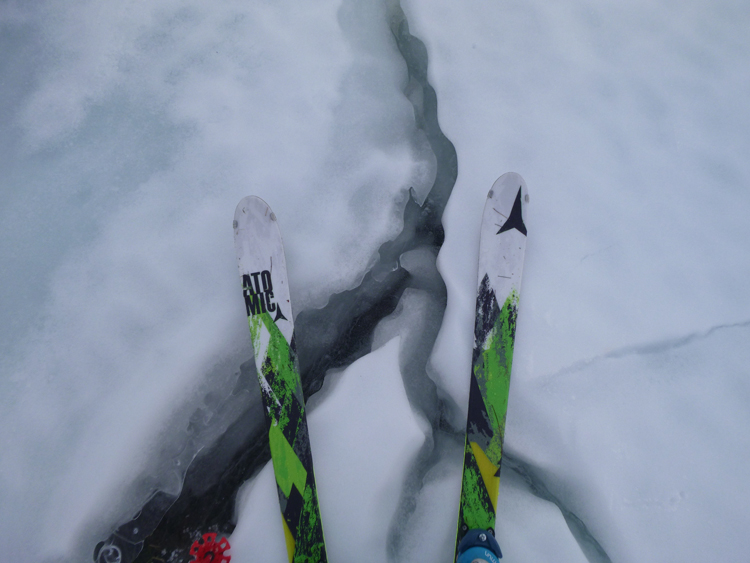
{"x": 129, "y": 132}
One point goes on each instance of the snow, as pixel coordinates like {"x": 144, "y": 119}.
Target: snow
{"x": 659, "y": 438}
{"x": 131, "y": 131}
{"x": 368, "y": 438}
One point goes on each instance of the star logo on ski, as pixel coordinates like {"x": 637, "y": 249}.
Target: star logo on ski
{"x": 279, "y": 315}
{"x": 515, "y": 221}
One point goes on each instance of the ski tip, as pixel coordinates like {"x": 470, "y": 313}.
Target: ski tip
{"x": 250, "y": 209}
{"x": 505, "y": 209}
{"x": 510, "y": 182}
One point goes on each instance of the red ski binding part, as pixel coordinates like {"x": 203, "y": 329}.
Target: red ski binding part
{"x": 208, "y": 550}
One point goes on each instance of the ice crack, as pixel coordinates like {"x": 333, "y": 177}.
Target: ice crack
{"x": 656, "y": 347}
{"x": 591, "y": 548}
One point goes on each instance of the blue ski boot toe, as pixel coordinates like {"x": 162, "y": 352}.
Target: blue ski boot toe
{"x": 479, "y": 546}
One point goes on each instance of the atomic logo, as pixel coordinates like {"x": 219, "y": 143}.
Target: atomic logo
{"x": 258, "y": 291}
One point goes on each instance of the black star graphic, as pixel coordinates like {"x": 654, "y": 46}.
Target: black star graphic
{"x": 279, "y": 314}
{"x": 515, "y": 221}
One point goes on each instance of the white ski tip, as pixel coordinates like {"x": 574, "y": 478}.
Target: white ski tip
{"x": 261, "y": 262}
{"x": 503, "y": 235}
{"x": 506, "y": 203}
{"x": 510, "y": 181}
{"x": 249, "y": 209}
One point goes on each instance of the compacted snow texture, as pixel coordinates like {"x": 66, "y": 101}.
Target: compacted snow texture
{"x": 131, "y": 130}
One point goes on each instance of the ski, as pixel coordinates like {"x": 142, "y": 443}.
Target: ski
{"x": 262, "y": 266}
{"x": 501, "y": 254}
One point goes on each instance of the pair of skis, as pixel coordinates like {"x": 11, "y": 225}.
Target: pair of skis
{"x": 266, "y": 292}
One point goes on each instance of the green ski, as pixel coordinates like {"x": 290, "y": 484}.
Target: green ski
{"x": 262, "y": 266}
{"x": 501, "y": 255}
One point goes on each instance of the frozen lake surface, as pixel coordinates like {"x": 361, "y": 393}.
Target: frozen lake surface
{"x": 374, "y": 130}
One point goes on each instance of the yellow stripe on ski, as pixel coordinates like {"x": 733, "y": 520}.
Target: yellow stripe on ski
{"x": 290, "y": 543}
{"x": 488, "y": 471}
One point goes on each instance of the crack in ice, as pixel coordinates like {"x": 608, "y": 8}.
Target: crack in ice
{"x": 588, "y": 543}
{"x": 656, "y": 347}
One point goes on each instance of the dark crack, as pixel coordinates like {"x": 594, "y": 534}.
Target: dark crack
{"x": 535, "y": 483}
{"x": 657, "y": 347}
{"x": 426, "y": 401}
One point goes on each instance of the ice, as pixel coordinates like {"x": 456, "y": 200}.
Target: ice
{"x": 655, "y": 435}
{"x": 623, "y": 122}
{"x": 129, "y": 133}
{"x": 609, "y": 117}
